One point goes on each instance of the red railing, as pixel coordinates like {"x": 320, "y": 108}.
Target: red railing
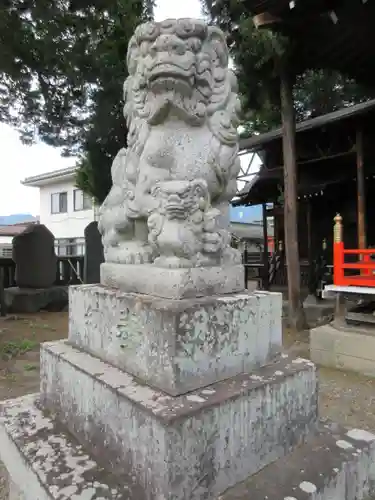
{"x": 365, "y": 265}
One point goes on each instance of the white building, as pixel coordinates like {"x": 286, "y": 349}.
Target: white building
{"x": 64, "y": 209}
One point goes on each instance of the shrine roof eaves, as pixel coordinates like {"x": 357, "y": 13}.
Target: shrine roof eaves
{"x": 258, "y": 141}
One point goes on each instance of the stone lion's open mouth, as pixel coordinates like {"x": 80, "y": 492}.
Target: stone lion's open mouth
{"x": 174, "y": 206}
{"x": 167, "y": 71}
{"x": 174, "y": 210}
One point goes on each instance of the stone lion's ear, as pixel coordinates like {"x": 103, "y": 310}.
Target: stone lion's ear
{"x": 216, "y": 39}
{"x": 200, "y": 188}
{"x": 132, "y": 55}
{"x": 155, "y": 190}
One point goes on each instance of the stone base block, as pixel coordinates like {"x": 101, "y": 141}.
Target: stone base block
{"x": 46, "y": 463}
{"x": 344, "y": 348}
{"x": 31, "y": 300}
{"x": 334, "y": 464}
{"x": 187, "y": 447}
{"x": 176, "y": 345}
{"x": 173, "y": 283}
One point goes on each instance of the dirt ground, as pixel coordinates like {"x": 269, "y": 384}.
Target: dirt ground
{"x": 344, "y": 397}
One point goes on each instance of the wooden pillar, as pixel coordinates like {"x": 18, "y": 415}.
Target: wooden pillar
{"x": 338, "y": 252}
{"x": 310, "y": 251}
{"x": 266, "y": 270}
{"x": 361, "y": 196}
{"x": 296, "y": 314}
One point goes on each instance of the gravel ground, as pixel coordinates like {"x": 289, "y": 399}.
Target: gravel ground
{"x": 346, "y": 398}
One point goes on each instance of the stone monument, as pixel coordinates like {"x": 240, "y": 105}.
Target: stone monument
{"x": 36, "y": 270}
{"x": 35, "y": 258}
{"x": 94, "y": 255}
{"x": 172, "y": 384}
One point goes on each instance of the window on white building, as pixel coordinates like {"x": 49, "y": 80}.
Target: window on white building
{"x": 67, "y": 247}
{"x": 81, "y": 200}
{"x": 59, "y": 203}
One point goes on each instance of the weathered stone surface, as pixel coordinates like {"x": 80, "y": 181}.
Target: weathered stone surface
{"x": 34, "y": 255}
{"x": 345, "y": 348}
{"x": 171, "y": 188}
{"x": 46, "y": 463}
{"x": 334, "y": 464}
{"x": 192, "y": 446}
{"x": 31, "y": 300}
{"x": 15, "y": 493}
{"x": 176, "y": 345}
{"x": 173, "y": 283}
{"x": 94, "y": 254}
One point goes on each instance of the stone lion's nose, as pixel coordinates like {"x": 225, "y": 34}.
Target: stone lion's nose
{"x": 174, "y": 198}
{"x": 169, "y": 43}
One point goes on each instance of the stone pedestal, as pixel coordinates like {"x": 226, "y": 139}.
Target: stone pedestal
{"x": 185, "y": 446}
{"x": 160, "y": 399}
{"x": 32, "y": 300}
{"x": 176, "y": 345}
{"x": 174, "y": 283}
{"x": 344, "y": 347}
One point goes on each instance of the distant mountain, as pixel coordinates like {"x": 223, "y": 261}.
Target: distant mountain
{"x": 16, "y": 219}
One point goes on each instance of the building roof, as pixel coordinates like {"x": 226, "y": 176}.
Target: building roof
{"x": 12, "y": 230}
{"x": 325, "y": 153}
{"x": 64, "y": 174}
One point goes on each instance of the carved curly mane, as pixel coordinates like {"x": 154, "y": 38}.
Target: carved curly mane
{"x": 213, "y": 102}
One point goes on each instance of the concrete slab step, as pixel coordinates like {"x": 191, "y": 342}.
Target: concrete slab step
{"x": 334, "y": 464}
{"x": 48, "y": 462}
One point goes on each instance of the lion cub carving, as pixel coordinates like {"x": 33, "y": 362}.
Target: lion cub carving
{"x": 178, "y": 227}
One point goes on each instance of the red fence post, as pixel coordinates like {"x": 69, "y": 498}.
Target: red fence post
{"x": 338, "y": 252}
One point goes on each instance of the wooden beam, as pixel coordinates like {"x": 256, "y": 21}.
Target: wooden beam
{"x": 361, "y": 195}
{"x": 310, "y": 251}
{"x": 296, "y": 313}
{"x": 265, "y": 20}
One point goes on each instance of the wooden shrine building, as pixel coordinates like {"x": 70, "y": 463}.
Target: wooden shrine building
{"x": 335, "y": 174}
{"x": 321, "y": 34}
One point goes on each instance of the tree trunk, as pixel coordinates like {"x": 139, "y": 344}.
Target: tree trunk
{"x": 296, "y": 313}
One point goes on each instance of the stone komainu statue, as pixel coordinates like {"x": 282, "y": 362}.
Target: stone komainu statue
{"x": 182, "y": 108}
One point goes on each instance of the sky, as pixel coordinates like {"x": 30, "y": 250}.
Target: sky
{"x": 19, "y": 161}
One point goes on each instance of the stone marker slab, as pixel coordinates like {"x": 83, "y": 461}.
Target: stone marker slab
{"x": 179, "y": 283}
{"x": 46, "y": 463}
{"x": 94, "y": 253}
{"x": 176, "y": 345}
{"x": 334, "y": 464}
{"x": 35, "y": 258}
{"x": 192, "y": 446}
